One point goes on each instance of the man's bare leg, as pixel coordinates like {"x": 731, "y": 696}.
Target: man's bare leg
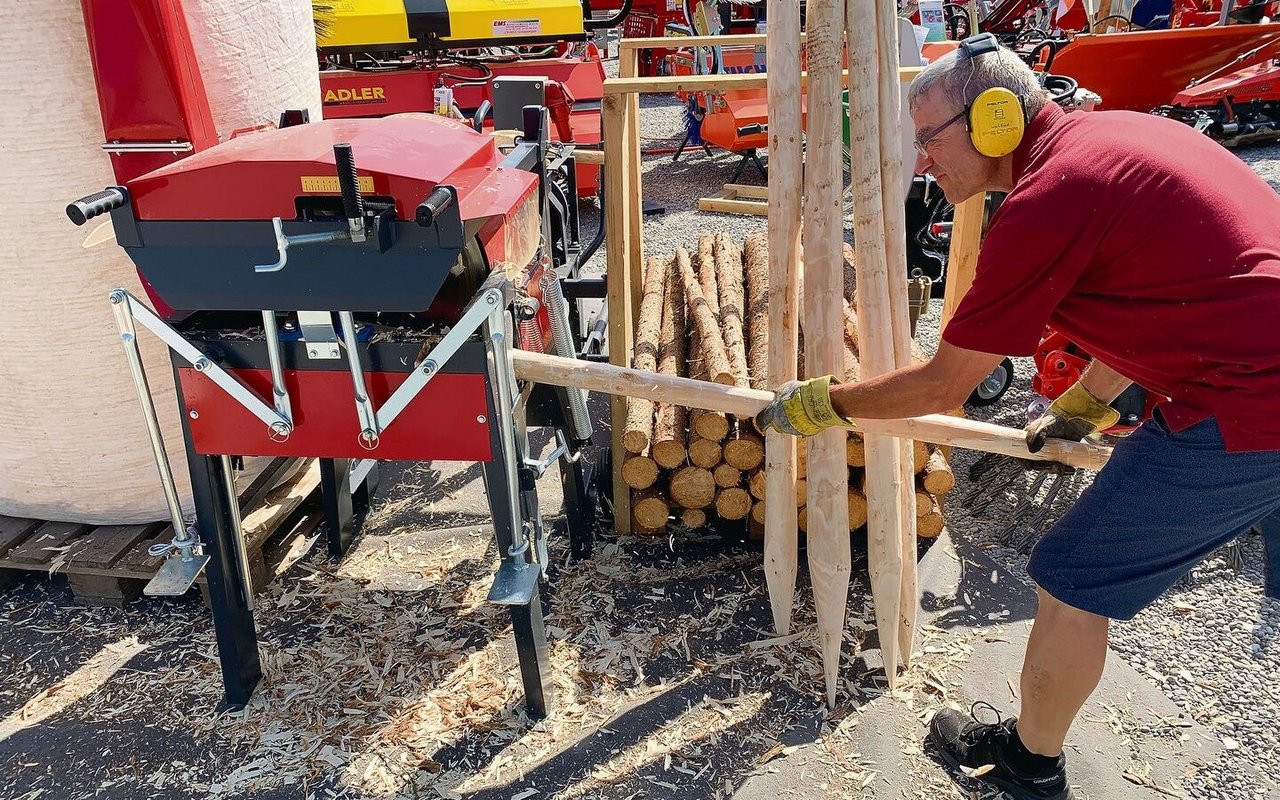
{"x": 1065, "y": 656}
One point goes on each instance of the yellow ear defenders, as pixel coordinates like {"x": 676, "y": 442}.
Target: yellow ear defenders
{"x": 997, "y": 118}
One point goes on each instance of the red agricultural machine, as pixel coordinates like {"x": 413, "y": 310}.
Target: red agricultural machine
{"x": 400, "y": 261}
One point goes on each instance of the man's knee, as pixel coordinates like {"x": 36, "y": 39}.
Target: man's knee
{"x": 1054, "y": 611}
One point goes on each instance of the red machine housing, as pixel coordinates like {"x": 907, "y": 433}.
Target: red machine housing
{"x": 650, "y": 18}
{"x": 198, "y": 250}
{"x": 574, "y": 102}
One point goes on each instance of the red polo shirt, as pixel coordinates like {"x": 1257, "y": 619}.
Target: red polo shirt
{"x": 1154, "y": 249}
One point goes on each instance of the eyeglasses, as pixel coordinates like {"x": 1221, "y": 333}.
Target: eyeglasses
{"x": 920, "y": 145}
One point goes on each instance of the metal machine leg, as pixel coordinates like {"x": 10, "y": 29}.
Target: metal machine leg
{"x": 579, "y": 502}
{"x": 232, "y": 616}
{"x": 339, "y": 515}
{"x": 517, "y": 582}
{"x": 526, "y": 618}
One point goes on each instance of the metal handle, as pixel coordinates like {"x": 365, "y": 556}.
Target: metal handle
{"x": 430, "y": 209}
{"x": 90, "y": 206}
{"x": 349, "y": 183}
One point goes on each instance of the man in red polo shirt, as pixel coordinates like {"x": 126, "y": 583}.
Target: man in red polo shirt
{"x": 1158, "y": 252}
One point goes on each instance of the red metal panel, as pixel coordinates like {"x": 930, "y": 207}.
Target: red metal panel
{"x": 1142, "y": 70}
{"x": 406, "y": 156}
{"x": 149, "y": 86}
{"x": 447, "y": 421}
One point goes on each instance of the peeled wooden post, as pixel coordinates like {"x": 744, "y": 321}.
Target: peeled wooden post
{"x": 782, "y": 53}
{"x": 828, "y": 503}
{"x": 893, "y": 197}
{"x": 884, "y": 468}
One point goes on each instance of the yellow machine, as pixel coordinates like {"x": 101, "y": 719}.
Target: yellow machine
{"x": 382, "y": 25}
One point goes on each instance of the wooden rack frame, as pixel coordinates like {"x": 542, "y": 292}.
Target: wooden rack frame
{"x": 624, "y": 248}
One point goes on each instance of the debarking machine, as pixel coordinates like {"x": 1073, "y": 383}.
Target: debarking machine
{"x": 348, "y": 290}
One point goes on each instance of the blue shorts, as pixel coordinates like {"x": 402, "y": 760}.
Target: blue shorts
{"x": 1164, "y": 502}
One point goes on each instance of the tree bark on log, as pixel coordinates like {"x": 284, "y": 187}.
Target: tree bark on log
{"x": 704, "y": 321}
{"x": 669, "y": 444}
{"x": 756, "y": 255}
{"x": 639, "y": 430}
{"x": 729, "y": 280}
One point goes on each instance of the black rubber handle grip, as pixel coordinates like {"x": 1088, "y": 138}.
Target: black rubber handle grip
{"x": 352, "y": 202}
{"x": 90, "y": 206}
{"x": 428, "y": 210}
{"x": 751, "y": 130}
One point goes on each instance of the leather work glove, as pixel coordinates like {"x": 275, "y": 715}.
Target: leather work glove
{"x": 1073, "y": 416}
{"x": 801, "y": 408}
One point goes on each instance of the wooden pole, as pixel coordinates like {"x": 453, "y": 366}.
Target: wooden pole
{"x": 962, "y": 257}
{"x": 893, "y": 195}
{"x": 782, "y": 52}
{"x": 828, "y": 502}
{"x": 876, "y": 346}
{"x": 941, "y": 429}
{"x": 618, "y": 280}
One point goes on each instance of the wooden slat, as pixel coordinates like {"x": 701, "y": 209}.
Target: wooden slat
{"x": 44, "y": 545}
{"x": 709, "y": 83}
{"x": 14, "y": 531}
{"x": 106, "y": 545}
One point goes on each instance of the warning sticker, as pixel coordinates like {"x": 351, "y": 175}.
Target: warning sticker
{"x": 328, "y": 184}
{"x": 516, "y": 27}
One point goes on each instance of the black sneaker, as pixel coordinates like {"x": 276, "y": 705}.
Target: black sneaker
{"x": 988, "y": 753}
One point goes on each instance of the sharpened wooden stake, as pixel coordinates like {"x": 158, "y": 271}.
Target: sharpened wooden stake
{"x": 827, "y": 506}
{"x": 893, "y": 199}
{"x": 884, "y": 468}
{"x": 782, "y": 53}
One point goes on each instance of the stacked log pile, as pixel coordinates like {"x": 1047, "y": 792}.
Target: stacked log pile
{"x": 704, "y": 315}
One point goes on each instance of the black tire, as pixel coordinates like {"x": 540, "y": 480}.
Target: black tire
{"x": 994, "y": 386}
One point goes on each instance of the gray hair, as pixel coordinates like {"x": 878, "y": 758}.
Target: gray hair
{"x": 960, "y": 79}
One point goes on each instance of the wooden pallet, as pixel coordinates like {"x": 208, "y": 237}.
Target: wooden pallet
{"x": 109, "y": 565}
{"x": 737, "y": 198}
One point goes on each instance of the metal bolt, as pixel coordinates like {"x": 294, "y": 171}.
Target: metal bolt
{"x": 428, "y": 368}
{"x": 117, "y": 297}
{"x": 202, "y": 364}
{"x": 194, "y": 414}
{"x": 312, "y": 352}
{"x": 482, "y": 419}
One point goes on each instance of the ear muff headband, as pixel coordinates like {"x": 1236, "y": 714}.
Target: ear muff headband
{"x": 997, "y": 118}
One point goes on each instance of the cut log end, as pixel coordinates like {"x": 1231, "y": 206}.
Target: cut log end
{"x": 640, "y": 472}
{"x": 733, "y": 503}
{"x": 650, "y": 509}
{"x": 693, "y": 487}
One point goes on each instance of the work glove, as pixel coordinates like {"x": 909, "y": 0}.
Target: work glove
{"x": 801, "y": 408}
{"x": 1073, "y": 416}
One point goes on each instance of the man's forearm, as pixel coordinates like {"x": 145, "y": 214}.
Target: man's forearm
{"x": 1103, "y": 382}
{"x": 907, "y": 392}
